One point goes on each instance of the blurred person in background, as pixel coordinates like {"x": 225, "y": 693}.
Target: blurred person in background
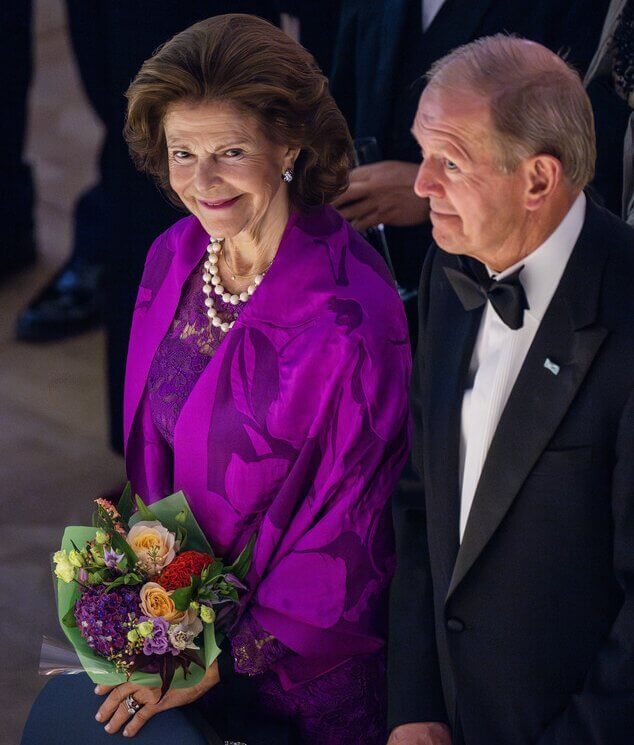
{"x": 381, "y": 53}
{"x": 16, "y": 183}
{"x": 610, "y": 85}
{"x": 314, "y": 24}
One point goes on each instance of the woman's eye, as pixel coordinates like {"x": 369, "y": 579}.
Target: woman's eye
{"x": 180, "y": 155}
{"x": 234, "y": 152}
{"x": 450, "y": 165}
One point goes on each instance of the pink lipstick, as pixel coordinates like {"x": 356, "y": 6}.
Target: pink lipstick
{"x": 218, "y": 204}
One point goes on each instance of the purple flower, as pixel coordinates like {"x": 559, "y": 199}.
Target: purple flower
{"x": 233, "y": 580}
{"x": 101, "y": 617}
{"x": 158, "y": 643}
{"x": 112, "y": 558}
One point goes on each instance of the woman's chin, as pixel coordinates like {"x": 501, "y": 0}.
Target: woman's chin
{"x": 218, "y": 228}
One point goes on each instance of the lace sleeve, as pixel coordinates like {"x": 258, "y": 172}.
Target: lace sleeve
{"x": 254, "y": 650}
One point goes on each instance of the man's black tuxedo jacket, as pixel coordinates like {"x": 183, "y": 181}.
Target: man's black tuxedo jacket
{"x": 524, "y": 633}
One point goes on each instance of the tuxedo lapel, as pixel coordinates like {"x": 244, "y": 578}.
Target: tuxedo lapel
{"x": 569, "y": 337}
{"x": 448, "y": 356}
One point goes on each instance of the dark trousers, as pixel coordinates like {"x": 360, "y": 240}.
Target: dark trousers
{"x": 16, "y": 185}
{"x": 64, "y": 714}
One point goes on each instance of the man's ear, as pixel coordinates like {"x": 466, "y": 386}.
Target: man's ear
{"x": 543, "y": 175}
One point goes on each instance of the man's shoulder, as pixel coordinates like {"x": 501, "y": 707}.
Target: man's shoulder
{"x": 613, "y": 240}
{"x": 609, "y": 230}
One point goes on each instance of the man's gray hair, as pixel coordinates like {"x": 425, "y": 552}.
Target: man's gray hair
{"x": 538, "y": 103}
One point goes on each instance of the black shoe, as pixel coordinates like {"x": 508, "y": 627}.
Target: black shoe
{"x": 70, "y": 304}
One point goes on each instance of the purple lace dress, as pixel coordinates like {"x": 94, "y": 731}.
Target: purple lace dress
{"x": 344, "y": 705}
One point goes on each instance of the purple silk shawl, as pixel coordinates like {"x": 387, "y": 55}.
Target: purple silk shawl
{"x": 298, "y": 429}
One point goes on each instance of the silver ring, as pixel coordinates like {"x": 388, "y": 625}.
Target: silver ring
{"x": 132, "y": 705}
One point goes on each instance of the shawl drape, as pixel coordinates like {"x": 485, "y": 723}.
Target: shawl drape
{"x": 297, "y": 429}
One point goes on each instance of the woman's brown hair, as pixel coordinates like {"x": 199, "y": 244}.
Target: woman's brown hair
{"x": 249, "y": 63}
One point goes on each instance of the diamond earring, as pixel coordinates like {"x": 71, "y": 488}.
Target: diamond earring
{"x": 287, "y": 176}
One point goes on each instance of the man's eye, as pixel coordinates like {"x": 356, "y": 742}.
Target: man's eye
{"x": 234, "y": 152}
{"x": 450, "y": 165}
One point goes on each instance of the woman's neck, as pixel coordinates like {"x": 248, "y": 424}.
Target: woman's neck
{"x": 252, "y": 251}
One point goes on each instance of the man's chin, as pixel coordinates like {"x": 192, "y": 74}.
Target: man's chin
{"x": 448, "y": 242}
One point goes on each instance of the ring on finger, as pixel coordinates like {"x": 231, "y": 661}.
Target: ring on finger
{"x": 131, "y": 704}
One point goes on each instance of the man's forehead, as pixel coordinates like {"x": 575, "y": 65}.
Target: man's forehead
{"x": 452, "y": 111}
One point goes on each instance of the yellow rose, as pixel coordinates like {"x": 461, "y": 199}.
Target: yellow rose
{"x": 156, "y": 602}
{"x": 153, "y": 544}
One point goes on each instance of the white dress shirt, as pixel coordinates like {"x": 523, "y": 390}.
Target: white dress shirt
{"x": 430, "y": 10}
{"x": 499, "y": 351}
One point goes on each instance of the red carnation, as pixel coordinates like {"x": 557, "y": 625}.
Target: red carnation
{"x": 178, "y": 573}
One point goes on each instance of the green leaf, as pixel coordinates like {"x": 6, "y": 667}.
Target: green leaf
{"x": 121, "y": 546}
{"x": 144, "y": 511}
{"x": 211, "y": 571}
{"x": 102, "y": 520}
{"x": 126, "y": 505}
{"x": 97, "y": 578}
{"x": 182, "y": 597}
{"x": 124, "y": 579}
{"x": 68, "y": 619}
{"x": 241, "y": 565}
{"x": 181, "y": 536}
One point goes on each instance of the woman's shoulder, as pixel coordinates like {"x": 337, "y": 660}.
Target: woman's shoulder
{"x": 350, "y": 260}
{"x": 178, "y": 235}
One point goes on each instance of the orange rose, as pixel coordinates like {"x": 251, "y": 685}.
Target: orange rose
{"x": 157, "y": 603}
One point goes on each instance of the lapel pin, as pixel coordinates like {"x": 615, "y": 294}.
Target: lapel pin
{"x": 551, "y": 366}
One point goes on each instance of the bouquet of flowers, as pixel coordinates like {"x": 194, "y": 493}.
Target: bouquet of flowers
{"x": 139, "y": 595}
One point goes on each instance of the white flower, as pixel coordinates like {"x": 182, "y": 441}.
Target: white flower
{"x": 182, "y": 634}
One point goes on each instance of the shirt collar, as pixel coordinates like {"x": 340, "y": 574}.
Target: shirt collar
{"x": 544, "y": 267}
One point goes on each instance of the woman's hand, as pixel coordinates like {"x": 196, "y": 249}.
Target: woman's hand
{"x": 115, "y": 712}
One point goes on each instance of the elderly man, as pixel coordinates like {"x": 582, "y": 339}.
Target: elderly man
{"x": 512, "y": 616}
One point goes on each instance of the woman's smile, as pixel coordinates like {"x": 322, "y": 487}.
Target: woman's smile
{"x": 218, "y": 204}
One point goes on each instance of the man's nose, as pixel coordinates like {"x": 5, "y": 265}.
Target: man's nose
{"x": 427, "y": 183}
{"x": 207, "y": 174}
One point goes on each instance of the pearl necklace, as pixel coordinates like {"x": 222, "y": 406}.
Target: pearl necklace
{"x": 212, "y": 284}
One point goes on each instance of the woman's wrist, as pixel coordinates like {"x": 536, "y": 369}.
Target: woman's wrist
{"x": 209, "y": 679}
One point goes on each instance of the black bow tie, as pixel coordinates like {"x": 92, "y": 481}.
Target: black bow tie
{"x": 474, "y": 287}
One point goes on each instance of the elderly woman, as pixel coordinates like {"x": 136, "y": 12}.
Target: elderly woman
{"x": 267, "y": 377}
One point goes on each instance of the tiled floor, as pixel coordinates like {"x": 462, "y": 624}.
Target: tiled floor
{"x": 54, "y": 457}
